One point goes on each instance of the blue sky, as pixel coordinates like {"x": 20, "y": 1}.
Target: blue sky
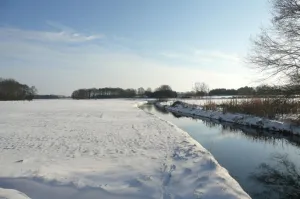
{"x": 60, "y": 46}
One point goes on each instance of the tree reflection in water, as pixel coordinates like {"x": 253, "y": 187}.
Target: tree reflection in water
{"x": 253, "y": 134}
{"x": 281, "y": 180}
{"x": 277, "y": 177}
{"x": 176, "y": 115}
{"x": 161, "y": 110}
{"x": 148, "y": 107}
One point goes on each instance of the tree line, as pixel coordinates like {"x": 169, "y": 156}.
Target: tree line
{"x": 164, "y": 91}
{"x": 10, "y": 89}
{"x": 49, "y": 97}
{"x": 202, "y": 89}
{"x": 259, "y": 90}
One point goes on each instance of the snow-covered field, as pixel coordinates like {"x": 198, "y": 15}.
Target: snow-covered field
{"x": 110, "y": 146}
{"x": 192, "y": 110}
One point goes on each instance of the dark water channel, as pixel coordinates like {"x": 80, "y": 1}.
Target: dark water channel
{"x": 266, "y": 164}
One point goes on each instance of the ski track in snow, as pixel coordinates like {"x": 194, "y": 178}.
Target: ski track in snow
{"x": 110, "y": 145}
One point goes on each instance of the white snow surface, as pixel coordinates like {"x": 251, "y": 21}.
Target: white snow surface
{"x": 10, "y": 193}
{"x": 186, "y": 109}
{"x": 110, "y": 145}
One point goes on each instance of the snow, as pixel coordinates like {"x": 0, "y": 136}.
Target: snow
{"x": 237, "y": 118}
{"x": 109, "y": 146}
{"x": 10, "y": 193}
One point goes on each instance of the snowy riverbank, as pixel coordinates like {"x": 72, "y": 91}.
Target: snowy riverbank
{"x": 109, "y": 146}
{"x": 191, "y": 110}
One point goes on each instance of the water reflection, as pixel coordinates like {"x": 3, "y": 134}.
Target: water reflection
{"x": 163, "y": 111}
{"x": 248, "y": 154}
{"x": 281, "y": 180}
{"x": 253, "y": 134}
{"x": 148, "y": 107}
{"x": 176, "y": 115}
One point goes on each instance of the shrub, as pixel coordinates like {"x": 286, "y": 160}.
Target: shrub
{"x": 210, "y": 105}
{"x": 263, "y": 107}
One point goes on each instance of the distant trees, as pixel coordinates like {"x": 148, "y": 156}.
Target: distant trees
{"x": 49, "y": 97}
{"x": 201, "y": 89}
{"x": 164, "y": 88}
{"x": 129, "y": 93}
{"x": 164, "y": 91}
{"x": 262, "y": 90}
{"x": 276, "y": 50}
{"x": 270, "y": 90}
{"x": 246, "y": 91}
{"x": 223, "y": 92}
{"x": 148, "y": 92}
{"x": 141, "y": 91}
{"x": 80, "y": 94}
{"x": 10, "y": 89}
{"x": 103, "y": 93}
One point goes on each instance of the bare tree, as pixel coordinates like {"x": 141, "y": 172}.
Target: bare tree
{"x": 201, "y": 89}
{"x": 141, "y": 91}
{"x": 33, "y": 90}
{"x": 276, "y": 50}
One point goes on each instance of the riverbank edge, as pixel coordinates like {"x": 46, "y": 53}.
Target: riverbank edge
{"x": 191, "y": 110}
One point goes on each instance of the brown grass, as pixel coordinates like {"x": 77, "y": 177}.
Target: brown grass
{"x": 272, "y": 108}
{"x": 210, "y": 105}
{"x": 263, "y": 107}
